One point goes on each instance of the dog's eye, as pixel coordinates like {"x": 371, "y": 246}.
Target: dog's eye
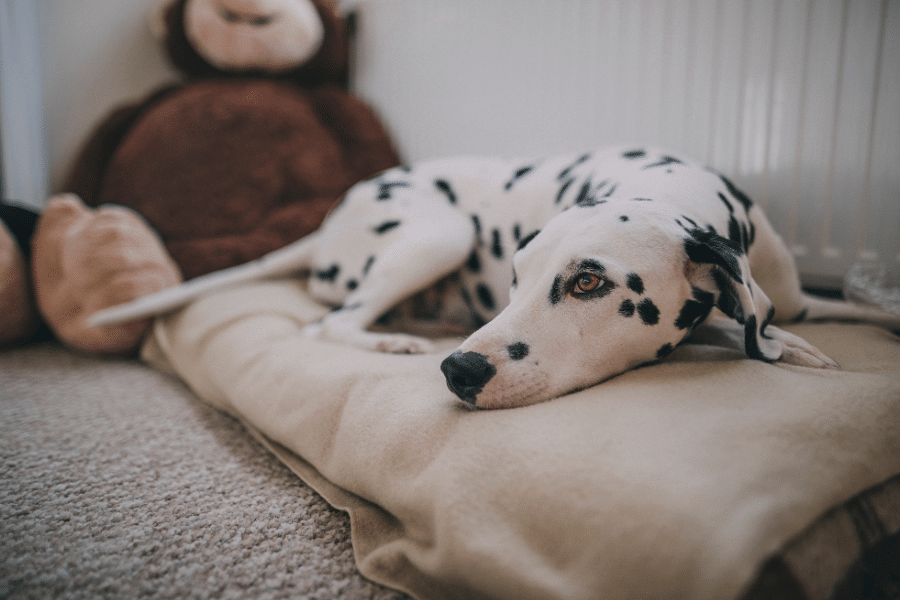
{"x": 586, "y": 283}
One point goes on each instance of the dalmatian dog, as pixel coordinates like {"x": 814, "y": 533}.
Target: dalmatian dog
{"x": 569, "y": 270}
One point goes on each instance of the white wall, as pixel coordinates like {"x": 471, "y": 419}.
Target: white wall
{"x": 22, "y": 144}
{"x": 65, "y": 65}
{"x": 799, "y": 100}
{"x": 96, "y": 54}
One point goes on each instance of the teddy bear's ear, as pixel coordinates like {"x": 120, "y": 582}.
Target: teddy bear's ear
{"x": 156, "y": 20}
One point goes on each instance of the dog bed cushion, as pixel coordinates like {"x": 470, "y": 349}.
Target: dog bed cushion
{"x": 675, "y": 480}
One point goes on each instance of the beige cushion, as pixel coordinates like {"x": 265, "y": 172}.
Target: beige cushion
{"x": 670, "y": 481}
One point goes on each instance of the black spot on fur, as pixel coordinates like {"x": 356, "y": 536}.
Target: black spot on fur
{"x": 745, "y": 238}
{"x": 664, "y": 161}
{"x": 592, "y": 201}
{"x": 565, "y": 172}
{"x": 702, "y": 296}
{"x": 485, "y": 296}
{"x": 556, "y": 291}
{"x": 584, "y": 197}
{"x": 623, "y": 218}
{"x": 635, "y": 283}
{"x": 524, "y": 241}
{"x": 692, "y": 313}
{"x": 642, "y": 199}
{"x": 706, "y": 247}
{"x": 368, "y": 265}
{"x": 496, "y": 244}
{"x": 587, "y": 197}
{"x": 726, "y": 202}
{"x": 626, "y": 309}
{"x": 648, "y": 312}
{"x": 477, "y": 223}
{"x": 690, "y": 220}
{"x": 329, "y": 274}
{"x": 517, "y": 232}
{"x": 352, "y": 284}
{"x": 728, "y": 301}
{"x": 522, "y": 172}
{"x": 734, "y": 231}
{"x": 474, "y": 262}
{"x": 517, "y": 351}
{"x": 664, "y": 351}
{"x": 385, "y": 227}
{"x": 738, "y": 194}
{"x": 770, "y": 314}
{"x": 562, "y": 190}
{"x": 801, "y": 317}
{"x": 445, "y": 188}
{"x": 633, "y": 154}
{"x": 385, "y": 188}
{"x": 751, "y": 343}
{"x": 611, "y": 191}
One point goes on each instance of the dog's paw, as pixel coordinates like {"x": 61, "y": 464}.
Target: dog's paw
{"x": 397, "y": 343}
{"x": 797, "y": 351}
{"x": 393, "y": 343}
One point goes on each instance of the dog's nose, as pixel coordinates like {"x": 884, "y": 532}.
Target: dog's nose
{"x": 467, "y": 373}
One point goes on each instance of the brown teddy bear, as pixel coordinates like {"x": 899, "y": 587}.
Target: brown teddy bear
{"x": 245, "y": 157}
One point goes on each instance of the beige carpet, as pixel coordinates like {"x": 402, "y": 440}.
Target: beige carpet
{"x": 116, "y": 482}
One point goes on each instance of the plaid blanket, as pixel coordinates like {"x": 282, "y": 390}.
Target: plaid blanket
{"x": 851, "y": 553}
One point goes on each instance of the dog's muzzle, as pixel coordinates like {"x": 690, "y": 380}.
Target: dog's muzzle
{"x": 467, "y": 373}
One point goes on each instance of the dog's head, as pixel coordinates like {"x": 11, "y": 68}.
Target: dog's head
{"x": 601, "y": 290}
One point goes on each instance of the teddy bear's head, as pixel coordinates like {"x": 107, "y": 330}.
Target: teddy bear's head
{"x": 301, "y": 40}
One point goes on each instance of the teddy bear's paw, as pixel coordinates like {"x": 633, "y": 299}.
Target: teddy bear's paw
{"x": 87, "y": 259}
{"x": 62, "y": 210}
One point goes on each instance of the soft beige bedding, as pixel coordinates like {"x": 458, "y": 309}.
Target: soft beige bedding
{"x": 671, "y": 481}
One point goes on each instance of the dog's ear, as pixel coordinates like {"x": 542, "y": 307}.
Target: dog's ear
{"x": 720, "y": 266}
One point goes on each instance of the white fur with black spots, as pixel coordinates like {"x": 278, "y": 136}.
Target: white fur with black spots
{"x": 573, "y": 269}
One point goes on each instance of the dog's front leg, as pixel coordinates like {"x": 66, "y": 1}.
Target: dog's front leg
{"x": 417, "y": 255}
{"x": 719, "y": 330}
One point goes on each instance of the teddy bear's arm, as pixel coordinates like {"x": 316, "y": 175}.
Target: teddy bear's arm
{"x": 89, "y": 167}
{"x": 367, "y": 146}
{"x": 87, "y": 259}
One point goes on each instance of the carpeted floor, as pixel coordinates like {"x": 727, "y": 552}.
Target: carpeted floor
{"x": 116, "y": 482}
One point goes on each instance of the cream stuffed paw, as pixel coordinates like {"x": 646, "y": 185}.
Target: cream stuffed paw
{"x": 18, "y": 314}
{"x": 84, "y": 260}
